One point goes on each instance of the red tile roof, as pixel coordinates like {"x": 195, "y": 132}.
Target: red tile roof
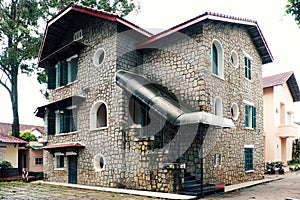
{"x": 64, "y": 145}
{"x": 277, "y": 79}
{"x": 4, "y": 138}
{"x": 251, "y": 26}
{"x": 5, "y": 128}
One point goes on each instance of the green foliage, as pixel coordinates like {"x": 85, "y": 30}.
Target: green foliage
{"x": 293, "y": 8}
{"x": 296, "y": 151}
{"x": 5, "y": 165}
{"x": 28, "y": 136}
{"x": 20, "y": 37}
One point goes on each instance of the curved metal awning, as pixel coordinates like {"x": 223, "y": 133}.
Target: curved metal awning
{"x": 164, "y": 102}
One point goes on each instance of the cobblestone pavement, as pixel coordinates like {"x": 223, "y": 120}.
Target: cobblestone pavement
{"x": 288, "y": 187}
{"x": 37, "y": 191}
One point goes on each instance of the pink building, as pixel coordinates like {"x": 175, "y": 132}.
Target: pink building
{"x": 280, "y": 91}
{"x": 20, "y": 153}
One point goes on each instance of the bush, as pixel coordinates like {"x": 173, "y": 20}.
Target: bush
{"x": 4, "y": 165}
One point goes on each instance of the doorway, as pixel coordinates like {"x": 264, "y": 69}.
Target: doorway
{"x": 72, "y": 169}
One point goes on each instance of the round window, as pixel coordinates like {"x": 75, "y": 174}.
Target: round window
{"x": 99, "y": 162}
{"x": 234, "y": 58}
{"x": 98, "y": 57}
{"x": 234, "y": 110}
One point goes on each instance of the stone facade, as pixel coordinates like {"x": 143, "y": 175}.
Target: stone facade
{"x": 159, "y": 159}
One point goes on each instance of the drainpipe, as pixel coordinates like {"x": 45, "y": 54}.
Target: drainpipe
{"x": 201, "y": 159}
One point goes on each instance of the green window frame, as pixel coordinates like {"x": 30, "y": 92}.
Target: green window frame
{"x": 248, "y": 68}
{"x": 250, "y": 116}
{"x": 66, "y": 120}
{"x": 248, "y": 158}
{"x": 64, "y": 72}
{"x": 60, "y": 161}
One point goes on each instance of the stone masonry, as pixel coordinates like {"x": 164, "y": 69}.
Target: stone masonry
{"x": 183, "y": 67}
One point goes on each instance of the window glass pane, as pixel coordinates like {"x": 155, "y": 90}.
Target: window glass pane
{"x": 102, "y": 116}
{"x": 248, "y": 159}
{"x": 214, "y": 60}
{"x": 247, "y": 115}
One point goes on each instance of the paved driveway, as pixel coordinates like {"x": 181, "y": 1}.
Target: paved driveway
{"x": 36, "y": 191}
{"x": 288, "y": 187}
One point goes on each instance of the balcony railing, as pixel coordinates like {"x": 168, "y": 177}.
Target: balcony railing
{"x": 285, "y": 131}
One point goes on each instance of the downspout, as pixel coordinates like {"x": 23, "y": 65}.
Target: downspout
{"x": 201, "y": 159}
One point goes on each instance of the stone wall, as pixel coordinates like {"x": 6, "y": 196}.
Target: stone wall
{"x": 153, "y": 162}
{"x": 192, "y": 82}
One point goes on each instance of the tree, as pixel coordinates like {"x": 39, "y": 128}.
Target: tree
{"x": 293, "y": 8}
{"x": 20, "y": 38}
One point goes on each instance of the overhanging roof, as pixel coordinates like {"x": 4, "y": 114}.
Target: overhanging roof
{"x": 57, "y": 28}
{"x": 4, "y": 138}
{"x": 279, "y": 79}
{"x": 73, "y": 100}
{"x": 250, "y": 25}
{"x": 158, "y": 98}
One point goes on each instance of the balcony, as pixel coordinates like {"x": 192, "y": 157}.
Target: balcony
{"x": 285, "y": 131}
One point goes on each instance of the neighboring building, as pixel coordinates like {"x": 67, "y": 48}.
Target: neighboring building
{"x": 280, "y": 93}
{"x": 9, "y": 147}
{"x": 23, "y": 154}
{"x": 128, "y": 109}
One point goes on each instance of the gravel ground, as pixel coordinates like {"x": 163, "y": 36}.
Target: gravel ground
{"x": 37, "y": 191}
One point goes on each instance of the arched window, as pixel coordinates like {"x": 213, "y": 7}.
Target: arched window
{"x": 218, "y": 107}
{"x": 217, "y": 58}
{"x": 101, "y": 116}
{"x": 98, "y": 116}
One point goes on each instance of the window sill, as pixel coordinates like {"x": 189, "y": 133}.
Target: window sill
{"x": 60, "y": 169}
{"x": 250, "y": 81}
{"x": 249, "y": 171}
{"x": 217, "y": 76}
{"x": 67, "y": 85}
{"x": 98, "y": 129}
{"x": 63, "y": 134}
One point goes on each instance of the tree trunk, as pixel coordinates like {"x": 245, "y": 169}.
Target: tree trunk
{"x": 14, "y": 102}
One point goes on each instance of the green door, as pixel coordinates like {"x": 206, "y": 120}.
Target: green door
{"x": 72, "y": 168}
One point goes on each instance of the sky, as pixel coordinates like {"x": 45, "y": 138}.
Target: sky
{"x": 280, "y": 31}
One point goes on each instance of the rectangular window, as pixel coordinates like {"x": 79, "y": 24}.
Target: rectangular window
{"x": 65, "y": 72}
{"x": 38, "y": 161}
{"x": 139, "y": 114}
{"x": 250, "y": 116}
{"x": 248, "y": 158}
{"x": 66, "y": 120}
{"x": 217, "y": 159}
{"x": 60, "y": 161}
{"x": 1, "y": 156}
{"x": 248, "y": 68}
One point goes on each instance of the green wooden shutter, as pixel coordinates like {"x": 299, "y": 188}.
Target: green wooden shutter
{"x": 51, "y": 74}
{"x": 253, "y": 117}
{"x": 74, "y": 69}
{"x": 51, "y": 123}
{"x": 58, "y": 74}
{"x": 249, "y": 69}
{"x": 246, "y": 115}
{"x": 64, "y": 73}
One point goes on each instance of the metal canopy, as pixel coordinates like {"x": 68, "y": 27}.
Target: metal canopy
{"x": 165, "y": 103}
{"x": 73, "y": 100}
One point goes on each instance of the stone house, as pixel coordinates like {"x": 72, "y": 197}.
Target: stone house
{"x": 168, "y": 112}
{"x": 281, "y": 91}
